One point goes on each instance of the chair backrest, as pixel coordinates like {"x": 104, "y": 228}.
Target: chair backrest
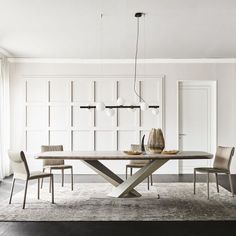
{"x": 19, "y": 164}
{"x": 223, "y": 158}
{"x": 137, "y": 147}
{"x": 51, "y": 148}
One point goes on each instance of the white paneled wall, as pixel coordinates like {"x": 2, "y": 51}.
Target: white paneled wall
{"x": 53, "y": 114}
{"x": 173, "y": 70}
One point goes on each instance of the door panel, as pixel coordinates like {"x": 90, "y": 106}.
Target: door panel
{"x": 195, "y": 132}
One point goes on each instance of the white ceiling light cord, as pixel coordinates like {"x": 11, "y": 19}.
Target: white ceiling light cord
{"x": 101, "y": 42}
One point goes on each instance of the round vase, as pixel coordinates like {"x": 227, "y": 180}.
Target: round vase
{"x": 156, "y": 142}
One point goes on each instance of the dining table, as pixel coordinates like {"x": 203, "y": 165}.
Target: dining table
{"x": 123, "y": 187}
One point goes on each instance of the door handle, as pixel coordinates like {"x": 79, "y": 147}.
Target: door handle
{"x": 182, "y": 134}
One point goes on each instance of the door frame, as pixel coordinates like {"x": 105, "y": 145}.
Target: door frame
{"x": 214, "y": 118}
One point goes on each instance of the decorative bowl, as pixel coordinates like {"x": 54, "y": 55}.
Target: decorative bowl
{"x": 170, "y": 152}
{"x": 130, "y": 152}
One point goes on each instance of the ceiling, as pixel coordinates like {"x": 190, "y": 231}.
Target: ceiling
{"x": 75, "y": 29}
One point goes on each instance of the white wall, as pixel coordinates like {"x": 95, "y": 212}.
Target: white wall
{"x": 223, "y": 73}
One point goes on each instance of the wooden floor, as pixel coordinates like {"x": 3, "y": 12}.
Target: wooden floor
{"x": 114, "y": 228}
{"x": 201, "y": 228}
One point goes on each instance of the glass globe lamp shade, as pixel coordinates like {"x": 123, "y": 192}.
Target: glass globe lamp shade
{"x": 110, "y": 112}
{"x": 120, "y": 101}
{"x": 100, "y": 106}
{"x": 143, "y": 106}
{"x": 155, "y": 111}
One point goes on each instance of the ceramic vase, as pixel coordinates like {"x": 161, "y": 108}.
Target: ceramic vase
{"x": 156, "y": 142}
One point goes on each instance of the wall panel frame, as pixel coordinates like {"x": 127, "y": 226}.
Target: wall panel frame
{"x": 60, "y": 98}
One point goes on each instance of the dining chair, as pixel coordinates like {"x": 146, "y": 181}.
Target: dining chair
{"x": 137, "y": 164}
{"x": 21, "y": 171}
{"x": 55, "y": 164}
{"x": 221, "y": 165}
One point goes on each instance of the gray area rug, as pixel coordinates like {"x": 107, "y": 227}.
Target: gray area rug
{"x": 89, "y": 202}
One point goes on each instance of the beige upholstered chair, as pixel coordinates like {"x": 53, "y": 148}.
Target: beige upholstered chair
{"x": 137, "y": 164}
{"x": 54, "y": 164}
{"x": 21, "y": 171}
{"x": 221, "y": 164}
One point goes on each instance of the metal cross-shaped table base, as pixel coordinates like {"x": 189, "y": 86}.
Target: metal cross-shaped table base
{"x": 125, "y": 188}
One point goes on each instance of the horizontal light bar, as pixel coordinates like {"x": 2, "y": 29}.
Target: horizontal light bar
{"x": 131, "y": 107}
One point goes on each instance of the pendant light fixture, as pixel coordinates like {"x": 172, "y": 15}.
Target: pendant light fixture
{"x": 143, "y": 105}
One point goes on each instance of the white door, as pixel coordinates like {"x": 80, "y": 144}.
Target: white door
{"x": 197, "y": 120}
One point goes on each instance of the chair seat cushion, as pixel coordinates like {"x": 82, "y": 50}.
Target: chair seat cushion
{"x": 136, "y": 165}
{"x": 210, "y": 169}
{"x": 58, "y": 167}
{"x": 141, "y": 162}
{"x": 39, "y": 174}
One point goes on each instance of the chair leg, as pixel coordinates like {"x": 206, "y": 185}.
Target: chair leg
{"x": 208, "y": 177}
{"x": 217, "y": 183}
{"x": 72, "y": 181}
{"x": 42, "y": 179}
{"x": 151, "y": 180}
{"x": 231, "y": 185}
{"x": 39, "y": 187}
{"x": 126, "y": 172}
{"x": 26, "y": 186}
{"x": 131, "y": 171}
{"x": 52, "y": 182}
{"x": 148, "y": 183}
{"x": 194, "y": 182}
{"x": 62, "y": 177}
{"x": 12, "y": 188}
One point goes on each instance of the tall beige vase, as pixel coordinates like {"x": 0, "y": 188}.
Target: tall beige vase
{"x": 156, "y": 142}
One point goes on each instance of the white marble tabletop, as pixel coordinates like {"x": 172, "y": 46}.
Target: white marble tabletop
{"x": 120, "y": 155}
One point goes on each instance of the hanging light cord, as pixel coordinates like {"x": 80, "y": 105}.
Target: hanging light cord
{"x": 135, "y": 63}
